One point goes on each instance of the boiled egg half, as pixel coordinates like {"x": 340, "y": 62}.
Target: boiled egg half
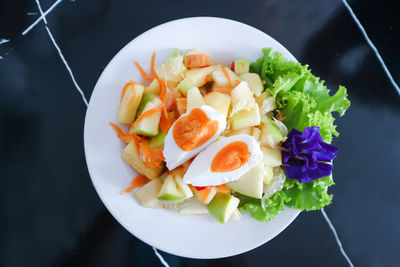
{"x": 191, "y": 133}
{"x": 223, "y": 161}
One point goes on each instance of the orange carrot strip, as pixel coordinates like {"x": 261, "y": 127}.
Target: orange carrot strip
{"x": 165, "y": 124}
{"x": 163, "y": 86}
{"x": 206, "y": 193}
{"x": 139, "y": 180}
{"x": 126, "y": 87}
{"x": 142, "y": 72}
{"x": 149, "y": 113}
{"x": 155, "y": 157}
{"x": 227, "y": 76}
{"x": 223, "y": 188}
{"x": 127, "y": 138}
{"x": 133, "y": 96}
{"x": 280, "y": 116}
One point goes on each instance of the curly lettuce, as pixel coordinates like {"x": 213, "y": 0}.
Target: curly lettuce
{"x": 305, "y": 102}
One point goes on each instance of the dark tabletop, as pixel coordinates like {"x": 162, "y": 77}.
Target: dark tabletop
{"x": 50, "y": 212}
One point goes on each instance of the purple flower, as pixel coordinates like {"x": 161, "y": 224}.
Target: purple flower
{"x": 305, "y": 155}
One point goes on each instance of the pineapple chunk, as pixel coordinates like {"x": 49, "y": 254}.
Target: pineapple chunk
{"x": 241, "y": 65}
{"x": 242, "y": 98}
{"x": 245, "y": 118}
{"x": 199, "y": 77}
{"x": 218, "y": 76}
{"x": 147, "y": 194}
{"x": 219, "y": 101}
{"x": 194, "y": 98}
{"x": 246, "y": 130}
{"x": 172, "y": 69}
{"x": 131, "y": 155}
{"x": 254, "y": 81}
{"x": 256, "y": 133}
{"x": 153, "y": 88}
{"x": 130, "y": 103}
{"x": 272, "y": 157}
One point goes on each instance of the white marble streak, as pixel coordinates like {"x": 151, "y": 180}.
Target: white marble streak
{"x": 378, "y": 55}
{"x": 337, "y": 238}
{"x": 43, "y": 16}
{"x": 61, "y": 55}
{"x": 3, "y": 41}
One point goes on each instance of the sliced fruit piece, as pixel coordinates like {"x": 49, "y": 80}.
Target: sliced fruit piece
{"x": 246, "y": 130}
{"x": 251, "y": 183}
{"x": 222, "y": 206}
{"x": 236, "y": 215}
{"x": 268, "y": 174}
{"x": 254, "y": 81}
{"x": 242, "y": 97}
{"x": 272, "y": 157}
{"x": 131, "y": 156}
{"x": 218, "y": 76}
{"x": 146, "y": 98}
{"x": 205, "y": 195}
{"x": 149, "y": 125}
{"x": 193, "y": 206}
{"x": 241, "y": 66}
{"x": 153, "y": 88}
{"x": 196, "y": 59}
{"x": 171, "y": 70}
{"x": 270, "y": 133}
{"x": 183, "y": 187}
{"x": 131, "y": 97}
{"x": 219, "y": 101}
{"x": 256, "y": 133}
{"x": 147, "y": 194}
{"x": 157, "y": 140}
{"x": 181, "y": 105}
{"x": 199, "y": 77}
{"x": 194, "y": 98}
{"x": 245, "y": 118}
{"x": 184, "y": 86}
{"x": 170, "y": 192}
{"x": 176, "y": 52}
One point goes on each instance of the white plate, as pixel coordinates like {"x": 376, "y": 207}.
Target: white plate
{"x": 187, "y": 236}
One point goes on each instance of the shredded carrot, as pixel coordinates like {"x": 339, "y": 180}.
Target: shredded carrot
{"x": 223, "y": 188}
{"x": 280, "y": 116}
{"x": 126, "y": 87}
{"x": 139, "y": 180}
{"x": 224, "y": 90}
{"x": 227, "y": 76}
{"x": 133, "y": 96}
{"x": 182, "y": 100}
{"x": 206, "y": 193}
{"x": 148, "y": 113}
{"x": 163, "y": 86}
{"x": 165, "y": 124}
{"x": 127, "y": 138}
{"x": 154, "y": 157}
{"x": 142, "y": 72}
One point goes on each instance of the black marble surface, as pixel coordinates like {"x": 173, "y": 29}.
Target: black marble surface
{"x": 50, "y": 212}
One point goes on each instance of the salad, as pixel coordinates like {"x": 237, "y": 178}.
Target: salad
{"x": 216, "y": 139}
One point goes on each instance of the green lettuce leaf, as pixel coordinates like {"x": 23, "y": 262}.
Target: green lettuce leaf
{"x": 274, "y": 205}
{"x": 308, "y": 196}
{"x": 305, "y": 102}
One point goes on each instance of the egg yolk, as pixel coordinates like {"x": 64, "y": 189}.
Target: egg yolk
{"x": 194, "y": 130}
{"x": 231, "y": 157}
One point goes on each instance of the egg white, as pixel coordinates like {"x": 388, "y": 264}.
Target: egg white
{"x": 200, "y": 174}
{"x": 174, "y": 155}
